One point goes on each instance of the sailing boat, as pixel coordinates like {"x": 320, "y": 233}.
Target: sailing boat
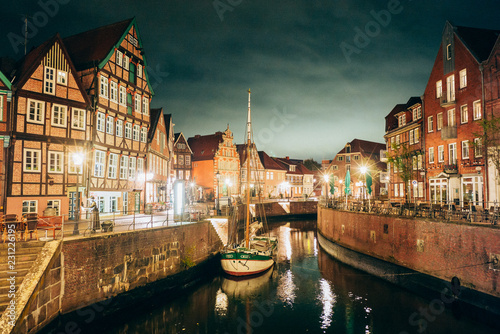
{"x": 255, "y": 254}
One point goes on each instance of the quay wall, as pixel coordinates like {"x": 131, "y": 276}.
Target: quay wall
{"x": 439, "y": 249}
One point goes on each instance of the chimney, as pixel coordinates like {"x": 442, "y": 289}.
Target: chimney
{"x": 197, "y": 136}
{"x": 287, "y": 158}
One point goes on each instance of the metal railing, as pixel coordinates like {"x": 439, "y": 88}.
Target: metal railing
{"x": 488, "y": 213}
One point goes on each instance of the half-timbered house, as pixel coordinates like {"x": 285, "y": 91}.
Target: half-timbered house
{"x": 49, "y": 133}
{"x": 5, "y": 99}
{"x": 111, "y": 64}
{"x": 159, "y": 156}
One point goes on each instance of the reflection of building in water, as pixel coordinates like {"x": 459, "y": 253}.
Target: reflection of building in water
{"x": 221, "y": 303}
{"x": 287, "y": 288}
{"x": 247, "y": 287}
{"x": 328, "y": 299}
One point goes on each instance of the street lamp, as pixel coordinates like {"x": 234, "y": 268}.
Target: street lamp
{"x": 326, "y": 177}
{"x": 78, "y": 162}
{"x": 228, "y": 185}
{"x": 363, "y": 171}
{"x": 217, "y": 193}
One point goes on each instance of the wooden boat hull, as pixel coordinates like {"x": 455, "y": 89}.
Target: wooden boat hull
{"x": 241, "y": 263}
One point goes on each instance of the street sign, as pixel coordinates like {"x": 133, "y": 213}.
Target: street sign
{"x": 414, "y": 182}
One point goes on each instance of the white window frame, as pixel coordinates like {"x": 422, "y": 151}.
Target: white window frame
{"x": 478, "y": 148}
{"x": 132, "y": 164}
{"x": 463, "y": 78}
{"x": 110, "y": 125}
{"x": 35, "y": 165}
{"x": 430, "y": 124}
{"x": 401, "y": 120}
{"x": 465, "y": 149}
{"x": 62, "y": 77}
{"x": 119, "y": 58}
{"x": 439, "y": 121}
{"x": 439, "y": 89}
{"x": 464, "y": 114}
{"x": 145, "y": 105}
{"x": 101, "y": 122}
{"x": 187, "y": 162}
{"x": 54, "y": 204}
{"x": 452, "y": 120}
{"x": 122, "y": 100}
{"x": 139, "y": 70}
{"x": 137, "y": 104}
{"x": 441, "y": 153}
{"x": 476, "y": 107}
{"x": 124, "y": 167}
{"x": 78, "y": 118}
{"x": 99, "y": 163}
{"x": 416, "y": 135}
{"x": 411, "y": 137}
{"x": 31, "y": 206}
{"x": 38, "y": 113}
{"x": 144, "y": 134}
{"x": 113, "y": 92}
{"x": 112, "y": 165}
{"x": 140, "y": 165}
{"x": 450, "y": 88}
{"x": 49, "y": 80}
{"x": 55, "y": 162}
{"x": 104, "y": 87}
{"x": 128, "y": 130}
{"x": 452, "y": 153}
{"x": 135, "y": 132}
{"x": 59, "y": 118}
{"x": 119, "y": 128}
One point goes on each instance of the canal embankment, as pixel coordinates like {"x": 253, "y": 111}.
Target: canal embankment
{"x": 450, "y": 261}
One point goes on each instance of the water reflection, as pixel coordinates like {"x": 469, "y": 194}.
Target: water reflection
{"x": 328, "y": 299}
{"x": 286, "y": 288}
{"x": 221, "y": 303}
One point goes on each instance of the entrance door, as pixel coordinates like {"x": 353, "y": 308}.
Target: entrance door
{"x": 74, "y": 203}
{"x": 137, "y": 202}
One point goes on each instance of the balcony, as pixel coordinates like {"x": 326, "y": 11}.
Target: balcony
{"x": 445, "y": 101}
{"x": 451, "y": 169}
{"x": 449, "y": 132}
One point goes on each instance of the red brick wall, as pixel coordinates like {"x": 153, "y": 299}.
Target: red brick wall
{"x": 439, "y": 249}
{"x": 104, "y": 266}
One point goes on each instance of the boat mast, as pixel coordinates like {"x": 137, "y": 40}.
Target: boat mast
{"x": 248, "y": 143}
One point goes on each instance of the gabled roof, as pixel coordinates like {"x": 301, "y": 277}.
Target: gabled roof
{"x": 95, "y": 47}
{"x": 178, "y": 136}
{"x": 268, "y": 162}
{"x": 304, "y": 170}
{"x": 155, "y": 115}
{"x": 391, "y": 122}
{"x": 413, "y": 101}
{"x": 168, "y": 121}
{"x": 365, "y": 147}
{"x": 286, "y": 163}
{"x": 32, "y": 60}
{"x": 205, "y": 147}
{"x": 241, "y": 148}
{"x": 480, "y": 42}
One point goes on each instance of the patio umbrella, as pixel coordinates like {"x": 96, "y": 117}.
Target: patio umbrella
{"x": 347, "y": 185}
{"x": 369, "y": 183}
{"x": 332, "y": 185}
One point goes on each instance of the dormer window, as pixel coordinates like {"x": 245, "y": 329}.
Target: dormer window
{"x": 292, "y": 168}
{"x": 402, "y": 120}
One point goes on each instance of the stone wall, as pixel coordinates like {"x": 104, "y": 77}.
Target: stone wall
{"x": 101, "y": 267}
{"x": 274, "y": 209}
{"x": 440, "y": 249}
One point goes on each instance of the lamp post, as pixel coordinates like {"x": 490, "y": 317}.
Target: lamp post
{"x": 78, "y": 162}
{"x": 363, "y": 171}
{"x": 217, "y": 193}
{"x": 326, "y": 178}
{"x": 228, "y": 185}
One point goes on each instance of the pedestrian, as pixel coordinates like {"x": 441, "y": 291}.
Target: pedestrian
{"x": 94, "y": 214}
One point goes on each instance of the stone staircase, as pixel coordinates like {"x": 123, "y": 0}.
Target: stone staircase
{"x": 221, "y": 226}
{"x": 25, "y": 255}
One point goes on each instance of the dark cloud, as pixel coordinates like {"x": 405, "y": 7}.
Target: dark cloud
{"x": 288, "y": 54}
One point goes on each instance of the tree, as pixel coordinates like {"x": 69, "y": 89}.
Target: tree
{"x": 311, "y": 164}
{"x": 403, "y": 160}
{"x": 487, "y": 143}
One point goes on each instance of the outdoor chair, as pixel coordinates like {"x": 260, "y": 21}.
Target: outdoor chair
{"x": 7, "y": 220}
{"x": 31, "y": 227}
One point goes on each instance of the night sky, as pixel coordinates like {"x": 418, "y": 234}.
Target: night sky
{"x": 316, "y": 84}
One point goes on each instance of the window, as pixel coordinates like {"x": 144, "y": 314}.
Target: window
{"x": 123, "y": 96}
{"x": 136, "y": 133}
{"x": 401, "y": 120}
{"x": 62, "y": 77}
{"x": 128, "y": 130}
{"x": 396, "y": 188}
{"x": 31, "y": 160}
{"x": 56, "y": 162}
{"x": 126, "y": 61}
{"x": 431, "y": 155}
{"x": 113, "y": 96}
{"x": 30, "y": 206}
{"x": 417, "y": 135}
{"x": 412, "y": 138}
{"x": 419, "y": 162}
{"x": 104, "y": 87}
{"x": 123, "y": 167}
{"x": 49, "y": 81}
{"x": 450, "y": 88}
{"x": 139, "y": 70}
{"x": 463, "y": 78}
{"x": 119, "y": 128}
{"x": 356, "y": 157}
{"x": 131, "y": 167}
{"x": 417, "y": 113}
{"x": 465, "y": 149}
{"x": 59, "y": 117}
{"x": 54, "y": 204}
{"x": 99, "y": 162}
{"x": 113, "y": 161}
{"x": 441, "y": 153}
{"x": 140, "y": 165}
{"x": 452, "y": 153}
{"x": 476, "y": 106}
{"x": 119, "y": 58}
{"x": 36, "y": 111}
{"x": 448, "y": 52}
{"x": 340, "y": 158}
{"x": 144, "y": 134}
{"x": 478, "y": 147}
{"x": 72, "y": 168}
{"x": 439, "y": 123}
{"x": 397, "y": 139}
{"x": 430, "y": 124}
{"x": 100, "y": 121}
{"x": 187, "y": 161}
{"x": 451, "y": 117}
{"x": 78, "y": 119}
{"x": 137, "y": 105}
{"x": 401, "y": 190}
{"x": 464, "y": 114}
{"x": 439, "y": 89}
{"x": 180, "y": 159}
{"x": 110, "y": 125}
{"x": 414, "y": 162}
{"x": 145, "y": 105}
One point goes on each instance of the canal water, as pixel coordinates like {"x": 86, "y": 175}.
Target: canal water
{"x": 306, "y": 292}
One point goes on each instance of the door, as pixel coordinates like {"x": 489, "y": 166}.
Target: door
{"x": 74, "y": 204}
{"x": 137, "y": 203}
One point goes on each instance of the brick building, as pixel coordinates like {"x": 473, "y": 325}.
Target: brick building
{"x": 111, "y": 63}
{"x": 257, "y": 171}
{"x": 5, "y": 116}
{"x": 275, "y": 177}
{"x": 454, "y": 107}
{"x": 182, "y": 158}
{"x": 403, "y": 134}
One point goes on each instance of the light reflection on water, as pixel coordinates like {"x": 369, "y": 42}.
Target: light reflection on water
{"x": 306, "y": 292}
